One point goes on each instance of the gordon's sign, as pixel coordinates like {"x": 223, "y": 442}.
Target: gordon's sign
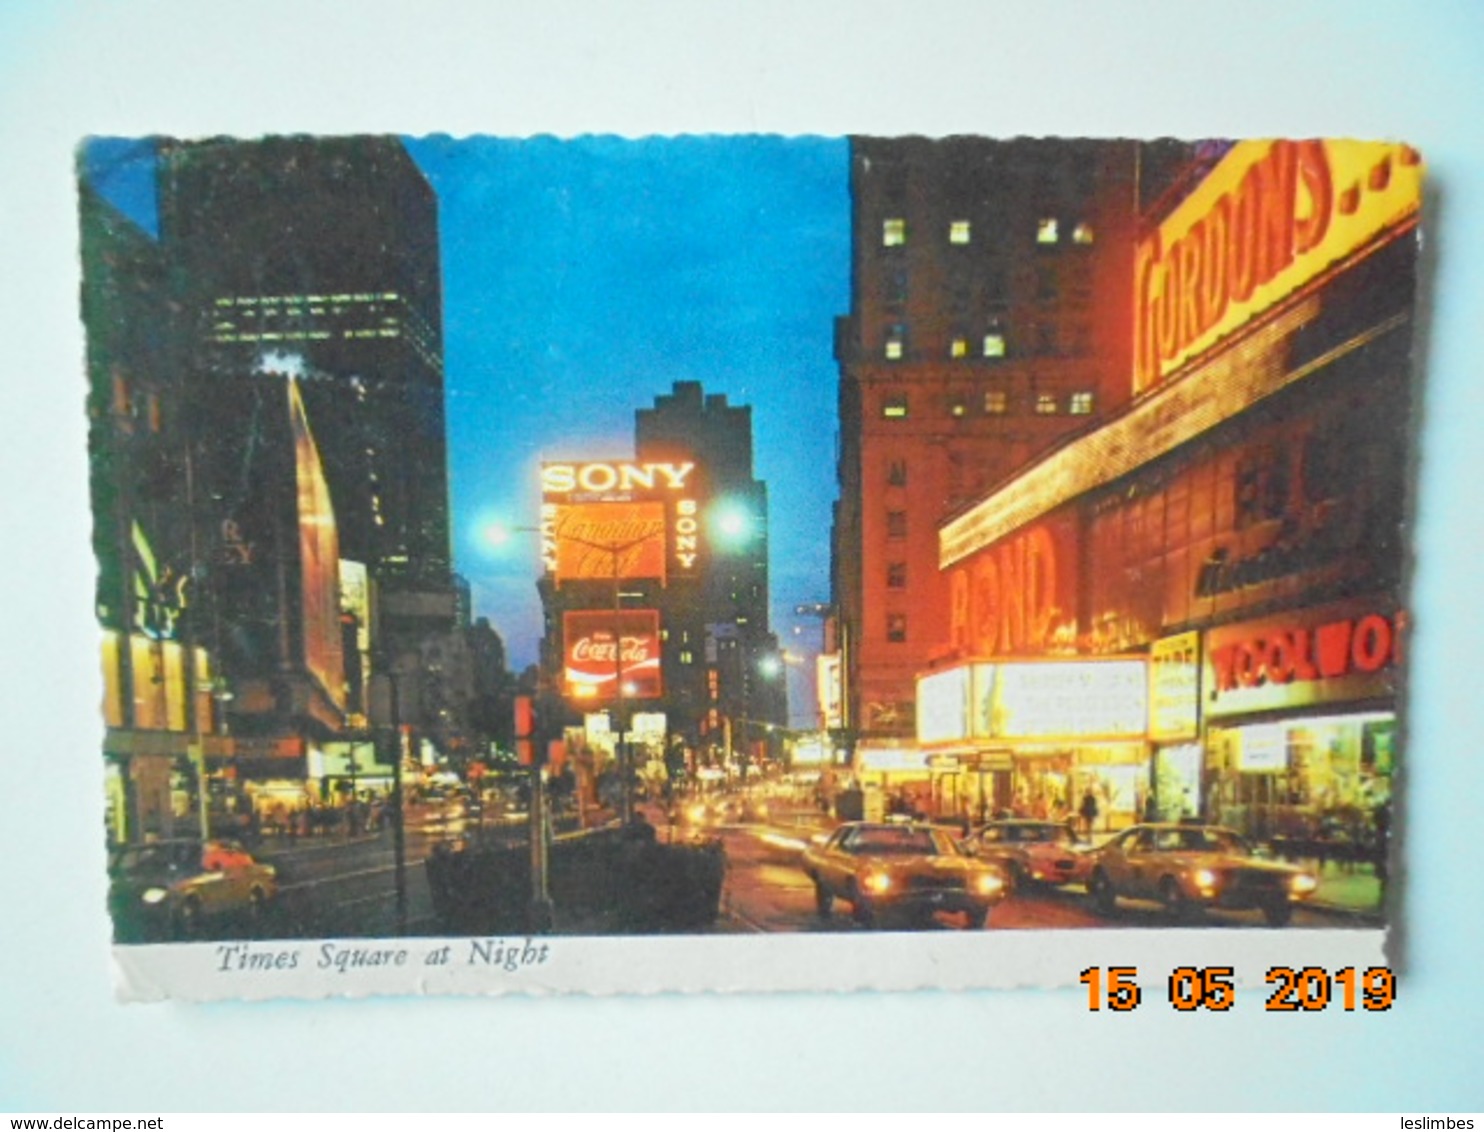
{"x": 1270, "y": 217}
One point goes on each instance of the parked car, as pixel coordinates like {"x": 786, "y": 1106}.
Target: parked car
{"x": 1189, "y": 868}
{"x": 905, "y": 868}
{"x": 1032, "y": 852}
{"x": 173, "y": 888}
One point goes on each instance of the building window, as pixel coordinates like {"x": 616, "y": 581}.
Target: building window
{"x": 958, "y": 348}
{"x": 896, "y": 473}
{"x": 1046, "y": 339}
{"x": 896, "y": 288}
{"x": 896, "y": 337}
{"x": 893, "y": 232}
{"x": 896, "y": 627}
{"x": 1046, "y": 230}
{"x": 958, "y": 232}
{"x": 958, "y": 407}
{"x": 1082, "y": 233}
{"x": 896, "y": 524}
{"x": 896, "y": 575}
{"x": 996, "y": 402}
{"x": 1045, "y": 404}
{"x": 1080, "y": 405}
{"x": 894, "y": 406}
{"x": 994, "y": 344}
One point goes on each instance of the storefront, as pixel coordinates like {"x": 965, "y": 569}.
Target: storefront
{"x": 1301, "y": 726}
{"x": 1035, "y": 738}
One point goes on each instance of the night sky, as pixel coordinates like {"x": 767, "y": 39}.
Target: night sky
{"x": 583, "y": 278}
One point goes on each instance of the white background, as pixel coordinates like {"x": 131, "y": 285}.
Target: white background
{"x": 1173, "y": 67}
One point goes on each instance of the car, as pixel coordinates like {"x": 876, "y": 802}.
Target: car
{"x": 1032, "y": 851}
{"x": 1189, "y": 868}
{"x": 171, "y": 888}
{"x": 903, "y": 868}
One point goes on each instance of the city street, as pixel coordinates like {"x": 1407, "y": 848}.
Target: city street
{"x": 337, "y": 886}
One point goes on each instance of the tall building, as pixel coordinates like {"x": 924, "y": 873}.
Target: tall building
{"x": 158, "y": 667}
{"x": 318, "y": 258}
{"x": 739, "y": 678}
{"x": 990, "y": 320}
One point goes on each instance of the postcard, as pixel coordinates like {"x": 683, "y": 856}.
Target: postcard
{"x": 746, "y": 563}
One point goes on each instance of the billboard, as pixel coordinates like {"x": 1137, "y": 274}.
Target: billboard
{"x": 607, "y": 541}
{"x": 648, "y": 514}
{"x": 319, "y": 557}
{"x": 594, "y": 663}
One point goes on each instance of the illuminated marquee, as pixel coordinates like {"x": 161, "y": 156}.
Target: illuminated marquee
{"x": 1270, "y": 217}
{"x": 1328, "y": 655}
{"x": 601, "y": 478}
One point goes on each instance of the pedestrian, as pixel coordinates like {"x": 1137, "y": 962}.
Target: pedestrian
{"x": 1089, "y": 811}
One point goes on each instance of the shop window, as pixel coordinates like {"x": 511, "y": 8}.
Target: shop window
{"x": 893, "y": 232}
{"x": 896, "y": 575}
{"x": 896, "y": 524}
{"x": 896, "y": 627}
{"x": 896, "y": 473}
{"x": 894, "y": 406}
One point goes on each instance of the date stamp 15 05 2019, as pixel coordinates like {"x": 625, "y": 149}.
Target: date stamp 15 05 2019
{"x": 1296, "y": 989}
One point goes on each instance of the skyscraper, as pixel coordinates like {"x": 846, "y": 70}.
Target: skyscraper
{"x": 318, "y": 258}
{"x": 990, "y": 319}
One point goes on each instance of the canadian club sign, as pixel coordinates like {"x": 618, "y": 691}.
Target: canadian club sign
{"x": 598, "y": 661}
{"x": 1335, "y": 654}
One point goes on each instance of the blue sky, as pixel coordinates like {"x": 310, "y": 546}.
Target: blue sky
{"x": 581, "y": 279}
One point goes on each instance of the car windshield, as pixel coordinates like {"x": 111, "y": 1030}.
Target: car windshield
{"x": 889, "y": 840}
{"x": 1033, "y": 833}
{"x": 1198, "y": 840}
{"x": 160, "y": 855}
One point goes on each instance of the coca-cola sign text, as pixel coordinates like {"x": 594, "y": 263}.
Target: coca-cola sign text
{"x": 597, "y": 663}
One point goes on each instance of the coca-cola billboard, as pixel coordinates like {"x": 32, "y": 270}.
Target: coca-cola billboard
{"x": 596, "y": 663}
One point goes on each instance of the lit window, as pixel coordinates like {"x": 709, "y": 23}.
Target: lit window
{"x": 1082, "y": 233}
{"x": 896, "y": 524}
{"x": 893, "y": 232}
{"x": 959, "y": 348}
{"x": 896, "y": 627}
{"x": 894, "y": 406}
{"x": 894, "y": 348}
{"x": 896, "y": 575}
{"x": 958, "y": 407}
{"x": 958, "y": 232}
{"x": 1045, "y": 403}
{"x": 994, "y": 344}
{"x": 996, "y": 402}
{"x": 1080, "y": 404}
{"x": 1046, "y": 230}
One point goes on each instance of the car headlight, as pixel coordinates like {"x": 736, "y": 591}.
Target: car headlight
{"x": 1204, "y": 878}
{"x": 154, "y": 895}
{"x": 1303, "y": 883}
{"x": 878, "y": 883}
{"x": 987, "y": 884}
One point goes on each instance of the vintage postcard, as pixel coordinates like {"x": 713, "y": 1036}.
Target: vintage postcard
{"x": 750, "y": 563}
